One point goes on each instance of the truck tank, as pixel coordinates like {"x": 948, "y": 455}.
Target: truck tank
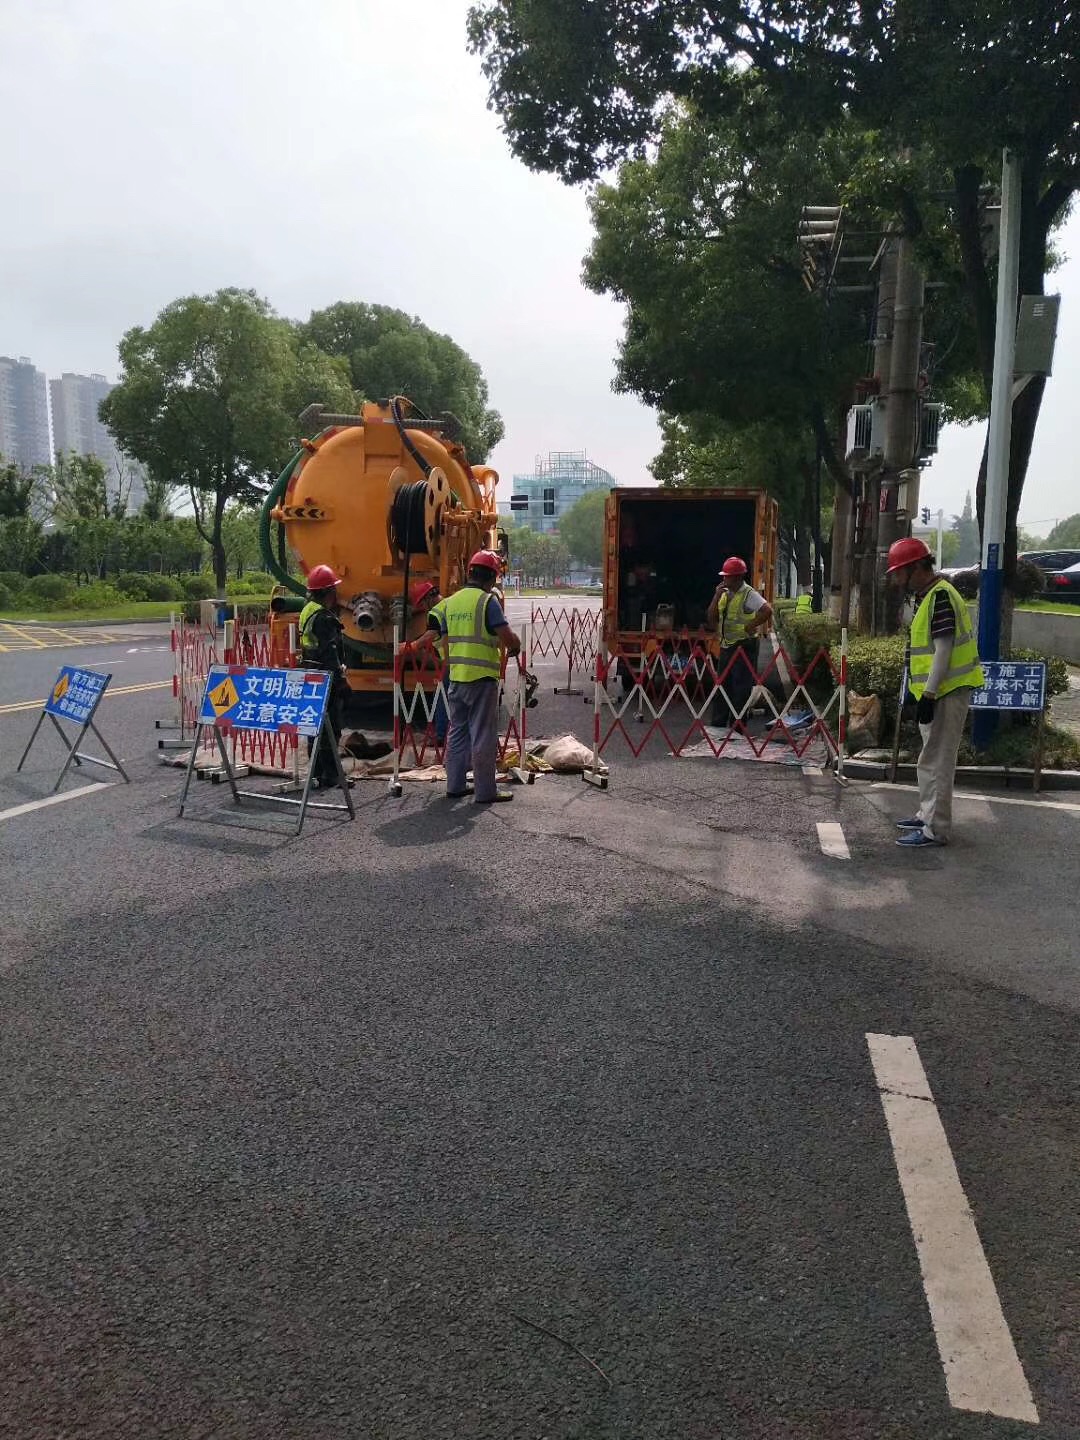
{"x": 385, "y": 498}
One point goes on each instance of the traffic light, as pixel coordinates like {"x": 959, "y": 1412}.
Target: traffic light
{"x": 925, "y": 513}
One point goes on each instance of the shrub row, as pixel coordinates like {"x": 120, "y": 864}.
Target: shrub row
{"x": 60, "y": 592}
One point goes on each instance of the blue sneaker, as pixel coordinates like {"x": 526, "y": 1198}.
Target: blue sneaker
{"x": 915, "y": 823}
{"x": 917, "y": 839}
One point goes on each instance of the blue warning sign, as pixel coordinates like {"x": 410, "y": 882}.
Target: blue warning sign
{"x": 76, "y": 693}
{"x": 280, "y": 702}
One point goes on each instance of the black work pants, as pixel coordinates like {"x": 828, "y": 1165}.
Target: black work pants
{"x": 738, "y": 683}
{"x": 323, "y": 762}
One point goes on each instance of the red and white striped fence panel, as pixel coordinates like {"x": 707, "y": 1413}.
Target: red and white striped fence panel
{"x": 670, "y": 683}
{"x": 572, "y": 635}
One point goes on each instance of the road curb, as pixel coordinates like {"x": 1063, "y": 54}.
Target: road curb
{"x": 980, "y": 776}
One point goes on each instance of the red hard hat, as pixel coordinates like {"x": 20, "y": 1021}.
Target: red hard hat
{"x": 321, "y": 577}
{"x": 907, "y": 552}
{"x": 421, "y": 590}
{"x": 485, "y": 559}
{"x": 733, "y": 566}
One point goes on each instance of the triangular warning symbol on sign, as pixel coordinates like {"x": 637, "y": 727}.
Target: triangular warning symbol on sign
{"x": 224, "y": 696}
{"x": 61, "y": 689}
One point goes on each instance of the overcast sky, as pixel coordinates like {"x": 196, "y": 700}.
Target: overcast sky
{"x": 322, "y": 150}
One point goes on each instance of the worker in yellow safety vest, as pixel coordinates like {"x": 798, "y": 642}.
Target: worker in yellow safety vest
{"x": 738, "y": 612}
{"x": 321, "y": 638}
{"x": 943, "y": 668}
{"x": 475, "y": 630}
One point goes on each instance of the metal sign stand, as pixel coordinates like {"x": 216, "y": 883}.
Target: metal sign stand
{"x": 74, "y": 753}
{"x": 304, "y": 802}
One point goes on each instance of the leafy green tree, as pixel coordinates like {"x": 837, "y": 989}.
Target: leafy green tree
{"x": 391, "y": 353}
{"x": 208, "y": 398}
{"x": 240, "y": 536}
{"x": 581, "y": 87}
{"x": 79, "y": 490}
{"x": 160, "y": 496}
{"x": 1066, "y": 533}
{"x": 582, "y": 528}
{"x": 16, "y": 492}
{"x": 21, "y": 542}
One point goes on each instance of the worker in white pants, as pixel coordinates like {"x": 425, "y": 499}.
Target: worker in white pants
{"x": 943, "y": 669}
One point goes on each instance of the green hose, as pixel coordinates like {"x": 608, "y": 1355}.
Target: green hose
{"x": 269, "y": 559}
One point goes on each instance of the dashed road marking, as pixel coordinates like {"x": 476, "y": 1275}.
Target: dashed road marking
{"x": 832, "y": 840}
{"x": 52, "y": 800}
{"x": 982, "y": 1369}
{"x": 19, "y": 705}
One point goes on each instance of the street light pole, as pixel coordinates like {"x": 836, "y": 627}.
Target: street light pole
{"x": 1001, "y": 400}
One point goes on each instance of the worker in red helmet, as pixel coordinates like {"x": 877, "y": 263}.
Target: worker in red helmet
{"x": 739, "y": 613}
{"x": 322, "y": 647}
{"x": 943, "y": 668}
{"x": 476, "y": 632}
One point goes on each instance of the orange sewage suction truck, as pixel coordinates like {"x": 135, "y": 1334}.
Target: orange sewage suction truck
{"x": 386, "y": 498}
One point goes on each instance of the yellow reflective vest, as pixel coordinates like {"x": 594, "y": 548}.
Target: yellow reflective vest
{"x": 311, "y": 609}
{"x": 964, "y": 668}
{"x": 732, "y": 617}
{"x": 474, "y": 654}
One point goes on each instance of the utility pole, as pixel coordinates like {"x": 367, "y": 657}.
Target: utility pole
{"x": 901, "y": 415}
{"x": 1001, "y": 403}
{"x": 883, "y": 338}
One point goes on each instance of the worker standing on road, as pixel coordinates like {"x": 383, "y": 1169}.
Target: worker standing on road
{"x": 476, "y": 632}
{"x": 322, "y": 647}
{"x": 943, "y": 669}
{"x": 739, "y": 613}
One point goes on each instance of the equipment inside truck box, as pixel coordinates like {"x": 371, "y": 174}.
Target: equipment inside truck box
{"x": 670, "y": 553}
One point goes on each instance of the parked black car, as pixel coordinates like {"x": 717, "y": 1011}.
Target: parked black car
{"x": 1062, "y": 571}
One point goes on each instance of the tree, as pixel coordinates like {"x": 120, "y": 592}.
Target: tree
{"x": 391, "y": 353}
{"x": 1066, "y": 533}
{"x": 21, "y": 543}
{"x": 580, "y": 87}
{"x": 582, "y": 528}
{"x": 16, "y": 491}
{"x": 160, "y": 497}
{"x": 966, "y": 530}
{"x": 208, "y": 398}
{"x": 240, "y": 537}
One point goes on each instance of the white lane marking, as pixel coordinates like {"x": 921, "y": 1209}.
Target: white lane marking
{"x": 51, "y": 800}
{"x": 982, "y": 1369}
{"x": 993, "y": 799}
{"x": 830, "y": 834}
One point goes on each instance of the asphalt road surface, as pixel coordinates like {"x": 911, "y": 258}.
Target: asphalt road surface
{"x": 625, "y": 1114}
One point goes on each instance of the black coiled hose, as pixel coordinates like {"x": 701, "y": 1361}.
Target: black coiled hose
{"x": 407, "y": 523}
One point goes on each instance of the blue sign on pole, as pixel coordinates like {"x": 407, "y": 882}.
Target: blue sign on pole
{"x": 242, "y": 697}
{"x": 1012, "y": 685}
{"x": 76, "y": 693}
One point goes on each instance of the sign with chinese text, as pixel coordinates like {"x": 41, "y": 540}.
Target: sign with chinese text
{"x": 1012, "y": 685}
{"x": 76, "y": 693}
{"x": 241, "y": 697}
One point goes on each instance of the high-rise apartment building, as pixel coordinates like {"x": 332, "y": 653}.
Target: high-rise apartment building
{"x": 77, "y": 429}
{"x": 24, "y": 413}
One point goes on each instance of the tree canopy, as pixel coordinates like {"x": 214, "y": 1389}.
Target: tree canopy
{"x": 581, "y": 529}
{"x": 940, "y": 90}
{"x": 391, "y": 353}
{"x": 208, "y": 400}
{"x": 1065, "y": 533}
